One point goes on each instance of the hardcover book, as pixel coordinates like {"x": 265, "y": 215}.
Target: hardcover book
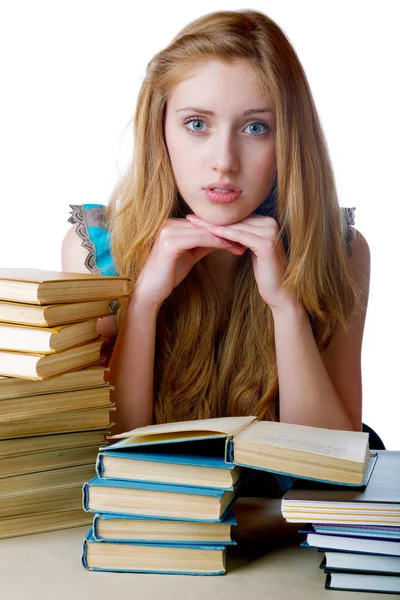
{"x": 41, "y": 522}
{"x": 63, "y": 422}
{"x": 366, "y": 563}
{"x": 41, "y": 366}
{"x": 88, "y": 377}
{"x": 363, "y": 582}
{"x": 341, "y": 457}
{"x": 46, "y": 340}
{"x": 128, "y": 528}
{"x": 352, "y": 544}
{"x": 38, "y": 286}
{"x": 377, "y": 504}
{"x": 130, "y": 558}
{"x": 193, "y": 464}
{"x": 31, "y": 407}
{"x": 157, "y": 500}
{"x": 44, "y": 443}
{"x": 52, "y": 315}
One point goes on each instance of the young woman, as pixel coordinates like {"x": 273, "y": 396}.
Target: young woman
{"x": 249, "y": 284}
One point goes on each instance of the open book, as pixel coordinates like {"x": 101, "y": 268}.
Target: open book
{"x": 334, "y": 456}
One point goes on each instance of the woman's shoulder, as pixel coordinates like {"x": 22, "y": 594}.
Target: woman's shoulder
{"x": 90, "y": 238}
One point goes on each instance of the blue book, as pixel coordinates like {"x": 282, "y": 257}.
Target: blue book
{"x": 199, "y": 463}
{"x": 141, "y": 530}
{"x": 157, "y": 500}
{"x": 326, "y": 455}
{"x": 151, "y": 558}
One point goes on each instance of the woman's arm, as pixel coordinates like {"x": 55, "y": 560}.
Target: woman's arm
{"x": 132, "y": 360}
{"x": 323, "y": 392}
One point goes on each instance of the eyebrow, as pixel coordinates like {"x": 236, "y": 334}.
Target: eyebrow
{"x": 251, "y": 111}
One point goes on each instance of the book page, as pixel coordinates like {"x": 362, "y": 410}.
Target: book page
{"x": 227, "y": 425}
{"x": 348, "y": 445}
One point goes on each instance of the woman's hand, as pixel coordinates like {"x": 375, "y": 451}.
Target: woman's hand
{"x": 177, "y": 248}
{"x": 261, "y": 235}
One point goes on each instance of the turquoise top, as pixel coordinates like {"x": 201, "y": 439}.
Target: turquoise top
{"x": 92, "y": 229}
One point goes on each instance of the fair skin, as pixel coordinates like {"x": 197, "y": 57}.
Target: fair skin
{"x": 230, "y": 147}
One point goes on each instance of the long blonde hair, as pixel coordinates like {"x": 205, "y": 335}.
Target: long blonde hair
{"x": 216, "y": 357}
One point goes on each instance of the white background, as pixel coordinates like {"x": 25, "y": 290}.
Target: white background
{"x": 70, "y": 75}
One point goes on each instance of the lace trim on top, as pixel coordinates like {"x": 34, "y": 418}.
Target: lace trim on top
{"x": 87, "y": 216}
{"x": 78, "y": 217}
{"x": 349, "y": 218}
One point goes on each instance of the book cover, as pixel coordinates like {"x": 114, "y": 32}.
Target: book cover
{"x": 162, "y": 558}
{"x": 352, "y": 544}
{"x": 198, "y": 463}
{"x": 186, "y": 529}
{"x": 335, "y": 561}
{"x": 362, "y": 582}
{"x": 157, "y": 500}
{"x": 377, "y": 504}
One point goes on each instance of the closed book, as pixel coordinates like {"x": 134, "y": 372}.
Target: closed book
{"x": 52, "y": 315}
{"x": 46, "y": 461}
{"x": 352, "y": 544}
{"x": 341, "y": 457}
{"x": 41, "y": 366}
{"x": 69, "y": 498}
{"x": 157, "y": 500}
{"x": 128, "y": 528}
{"x": 377, "y": 504}
{"x": 87, "y": 377}
{"x": 130, "y": 558}
{"x": 192, "y": 466}
{"x": 59, "y": 489}
{"x": 385, "y": 532}
{"x": 43, "y": 443}
{"x": 363, "y": 582}
{"x": 38, "y": 286}
{"x": 41, "y": 522}
{"x": 63, "y": 422}
{"x": 46, "y": 340}
{"x": 365, "y": 563}
{"x": 34, "y": 406}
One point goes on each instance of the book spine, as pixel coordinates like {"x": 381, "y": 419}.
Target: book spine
{"x": 100, "y": 466}
{"x": 84, "y": 555}
{"x": 85, "y": 497}
{"x": 95, "y": 530}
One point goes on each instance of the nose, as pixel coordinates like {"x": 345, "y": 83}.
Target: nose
{"x": 225, "y": 153}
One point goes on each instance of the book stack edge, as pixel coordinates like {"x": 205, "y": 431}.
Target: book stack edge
{"x": 357, "y": 530}
{"x": 54, "y": 401}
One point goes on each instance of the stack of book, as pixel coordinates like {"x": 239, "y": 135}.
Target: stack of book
{"x": 163, "y": 494}
{"x": 357, "y": 529}
{"x": 54, "y": 401}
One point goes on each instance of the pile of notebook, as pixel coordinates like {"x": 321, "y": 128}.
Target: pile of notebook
{"x": 163, "y": 495}
{"x": 54, "y": 401}
{"x": 358, "y": 530}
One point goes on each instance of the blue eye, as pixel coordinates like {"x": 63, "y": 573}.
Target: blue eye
{"x": 197, "y": 121}
{"x": 194, "y": 120}
{"x": 266, "y": 128}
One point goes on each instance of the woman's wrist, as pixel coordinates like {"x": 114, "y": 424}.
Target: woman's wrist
{"x": 139, "y": 301}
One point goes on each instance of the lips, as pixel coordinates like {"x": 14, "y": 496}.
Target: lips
{"x": 223, "y": 186}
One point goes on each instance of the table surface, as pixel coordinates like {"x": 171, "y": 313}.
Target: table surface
{"x": 47, "y": 566}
